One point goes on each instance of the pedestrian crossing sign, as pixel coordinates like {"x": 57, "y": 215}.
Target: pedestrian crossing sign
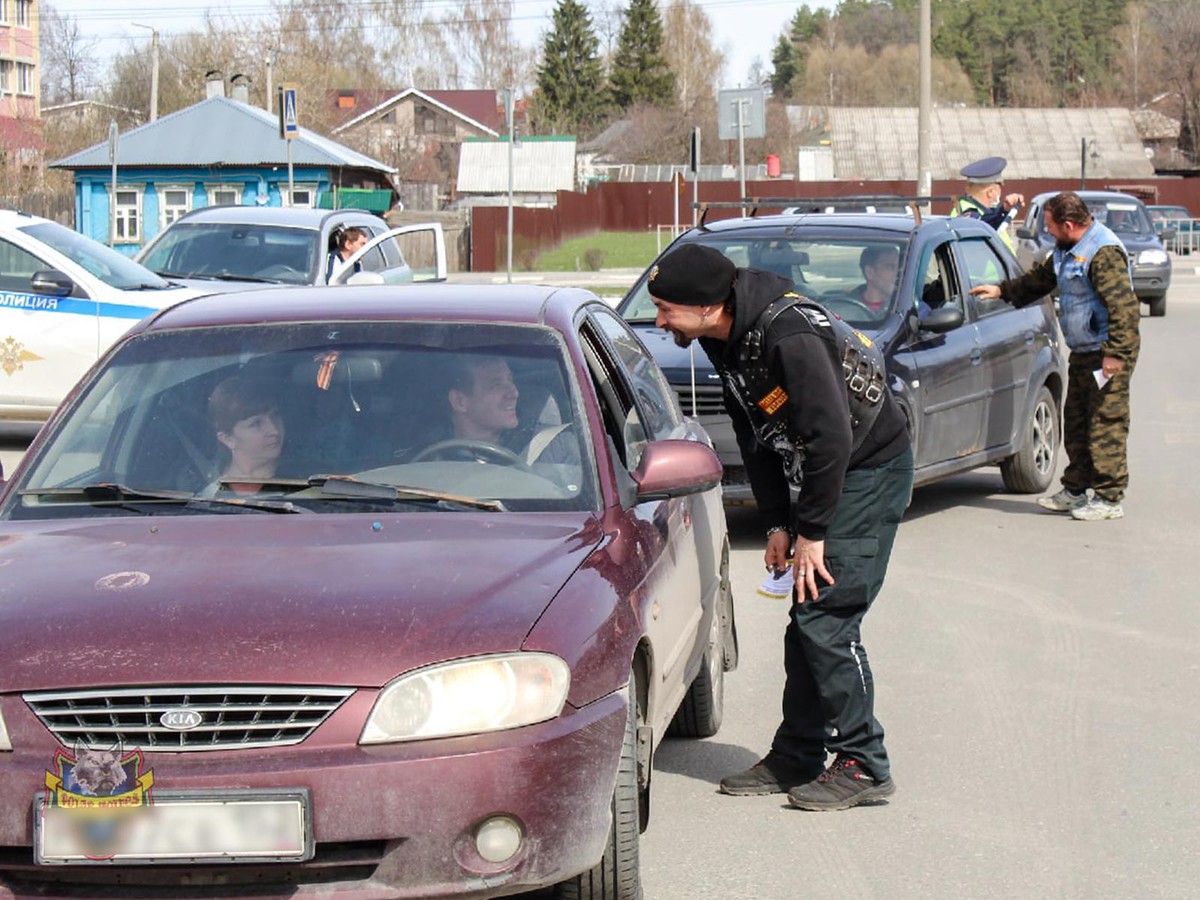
{"x": 289, "y": 123}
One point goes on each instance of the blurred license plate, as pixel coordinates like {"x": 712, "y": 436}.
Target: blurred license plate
{"x": 179, "y": 827}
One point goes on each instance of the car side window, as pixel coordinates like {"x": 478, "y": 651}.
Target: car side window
{"x": 653, "y": 396}
{"x": 17, "y": 267}
{"x": 982, "y": 265}
{"x": 622, "y": 421}
{"x": 935, "y": 283}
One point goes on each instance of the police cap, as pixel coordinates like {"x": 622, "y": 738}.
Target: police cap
{"x": 984, "y": 171}
{"x": 693, "y": 275}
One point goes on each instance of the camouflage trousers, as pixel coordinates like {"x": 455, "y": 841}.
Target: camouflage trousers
{"x": 1096, "y": 428}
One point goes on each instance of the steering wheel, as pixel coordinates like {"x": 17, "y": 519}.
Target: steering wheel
{"x": 458, "y": 448}
{"x": 843, "y": 298}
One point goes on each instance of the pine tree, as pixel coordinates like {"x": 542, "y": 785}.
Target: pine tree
{"x": 570, "y": 79}
{"x": 784, "y": 68}
{"x": 640, "y": 73}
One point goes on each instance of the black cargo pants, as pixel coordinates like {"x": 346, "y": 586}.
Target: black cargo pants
{"x": 829, "y": 693}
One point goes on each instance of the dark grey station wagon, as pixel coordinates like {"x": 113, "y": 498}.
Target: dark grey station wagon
{"x": 980, "y": 382}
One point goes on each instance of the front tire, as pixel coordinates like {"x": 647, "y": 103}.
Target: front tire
{"x": 1031, "y": 469}
{"x": 1158, "y": 305}
{"x": 618, "y": 874}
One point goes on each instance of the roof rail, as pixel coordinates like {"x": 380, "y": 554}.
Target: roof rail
{"x": 753, "y": 204}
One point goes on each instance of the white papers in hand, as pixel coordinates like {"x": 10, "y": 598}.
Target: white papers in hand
{"x": 777, "y": 587}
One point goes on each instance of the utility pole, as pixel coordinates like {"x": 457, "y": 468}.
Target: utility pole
{"x": 925, "y": 105}
{"x": 509, "y": 114}
{"x": 270, "y": 63}
{"x": 153, "y": 68}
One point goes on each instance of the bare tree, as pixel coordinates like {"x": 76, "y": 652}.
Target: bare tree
{"x": 690, "y": 53}
{"x": 1177, "y": 23}
{"x": 69, "y": 68}
{"x": 851, "y": 76}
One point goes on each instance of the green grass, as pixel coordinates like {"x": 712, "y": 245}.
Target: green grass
{"x": 614, "y": 249}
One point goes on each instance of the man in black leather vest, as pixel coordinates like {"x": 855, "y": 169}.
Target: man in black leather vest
{"x": 794, "y": 416}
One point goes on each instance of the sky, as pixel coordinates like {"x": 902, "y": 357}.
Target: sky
{"x": 746, "y": 29}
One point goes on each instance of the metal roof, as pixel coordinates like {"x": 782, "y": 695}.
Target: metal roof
{"x": 220, "y": 131}
{"x": 880, "y": 143}
{"x": 540, "y": 165}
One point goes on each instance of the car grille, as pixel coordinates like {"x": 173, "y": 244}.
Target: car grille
{"x": 710, "y": 399}
{"x": 230, "y": 717}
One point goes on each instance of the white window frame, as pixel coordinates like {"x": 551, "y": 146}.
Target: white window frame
{"x": 168, "y": 214}
{"x": 311, "y": 187}
{"x": 6, "y": 72}
{"x": 3, "y": 12}
{"x": 24, "y": 13}
{"x": 132, "y": 232}
{"x": 212, "y": 189}
{"x": 25, "y": 80}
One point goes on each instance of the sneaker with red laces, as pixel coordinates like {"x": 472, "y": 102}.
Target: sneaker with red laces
{"x": 843, "y": 785}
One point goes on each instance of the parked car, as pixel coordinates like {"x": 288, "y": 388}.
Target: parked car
{"x": 400, "y": 663}
{"x": 979, "y": 381}
{"x": 1174, "y": 225}
{"x": 64, "y": 298}
{"x": 238, "y": 247}
{"x": 1127, "y": 217}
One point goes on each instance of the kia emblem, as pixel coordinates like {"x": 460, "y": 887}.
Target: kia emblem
{"x": 180, "y": 719}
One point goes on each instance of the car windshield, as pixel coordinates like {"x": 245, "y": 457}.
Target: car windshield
{"x": 320, "y": 417}
{"x": 224, "y": 250}
{"x": 108, "y": 265}
{"x": 854, "y": 277}
{"x": 1123, "y": 217}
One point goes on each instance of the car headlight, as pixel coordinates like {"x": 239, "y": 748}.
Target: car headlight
{"x": 1152, "y": 257}
{"x": 469, "y": 696}
{"x": 5, "y": 743}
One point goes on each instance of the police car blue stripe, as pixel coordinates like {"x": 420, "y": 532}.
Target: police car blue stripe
{"x": 38, "y": 303}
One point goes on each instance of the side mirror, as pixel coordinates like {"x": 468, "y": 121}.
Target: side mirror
{"x": 1168, "y": 234}
{"x": 51, "y": 283}
{"x": 1025, "y": 234}
{"x": 676, "y": 468}
{"x": 942, "y": 319}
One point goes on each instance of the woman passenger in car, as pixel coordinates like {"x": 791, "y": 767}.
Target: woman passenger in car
{"x": 250, "y": 431}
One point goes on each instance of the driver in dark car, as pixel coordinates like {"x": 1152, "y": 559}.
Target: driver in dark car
{"x": 880, "y": 264}
{"x": 482, "y": 401}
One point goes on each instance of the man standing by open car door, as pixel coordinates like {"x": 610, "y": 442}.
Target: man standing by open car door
{"x": 811, "y": 408}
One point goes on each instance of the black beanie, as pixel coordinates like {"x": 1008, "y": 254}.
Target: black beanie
{"x": 693, "y": 275}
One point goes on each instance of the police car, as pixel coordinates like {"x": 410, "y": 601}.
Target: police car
{"x": 64, "y": 298}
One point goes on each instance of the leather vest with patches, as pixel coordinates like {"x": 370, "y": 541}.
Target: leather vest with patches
{"x": 765, "y": 401}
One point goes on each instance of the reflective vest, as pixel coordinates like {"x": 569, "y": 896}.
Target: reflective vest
{"x": 968, "y": 205}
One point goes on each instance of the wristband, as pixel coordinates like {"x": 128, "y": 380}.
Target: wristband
{"x": 774, "y": 529}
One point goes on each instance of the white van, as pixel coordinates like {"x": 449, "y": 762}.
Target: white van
{"x": 64, "y": 298}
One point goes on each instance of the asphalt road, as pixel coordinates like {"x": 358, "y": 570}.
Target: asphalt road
{"x": 1036, "y": 677}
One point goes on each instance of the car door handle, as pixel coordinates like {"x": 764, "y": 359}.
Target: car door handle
{"x": 1029, "y": 336}
{"x": 976, "y": 356}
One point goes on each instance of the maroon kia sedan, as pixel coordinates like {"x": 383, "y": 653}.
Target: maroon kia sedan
{"x": 383, "y": 591}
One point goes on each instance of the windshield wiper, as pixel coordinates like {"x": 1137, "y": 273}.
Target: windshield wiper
{"x": 120, "y": 496}
{"x": 350, "y": 488}
{"x": 219, "y": 276}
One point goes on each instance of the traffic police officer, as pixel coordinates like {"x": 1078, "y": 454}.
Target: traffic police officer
{"x": 811, "y": 409}
{"x": 982, "y": 199}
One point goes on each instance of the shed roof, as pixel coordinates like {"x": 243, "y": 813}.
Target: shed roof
{"x": 540, "y": 165}
{"x": 220, "y": 131}
{"x": 880, "y": 143}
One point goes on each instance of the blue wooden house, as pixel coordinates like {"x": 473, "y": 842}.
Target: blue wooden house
{"x": 220, "y": 151}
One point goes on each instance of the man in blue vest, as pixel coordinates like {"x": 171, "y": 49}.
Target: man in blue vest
{"x": 1099, "y": 315}
{"x": 983, "y": 200}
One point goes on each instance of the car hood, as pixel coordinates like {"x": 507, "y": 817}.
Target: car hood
{"x": 315, "y": 599}
{"x": 676, "y": 361}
